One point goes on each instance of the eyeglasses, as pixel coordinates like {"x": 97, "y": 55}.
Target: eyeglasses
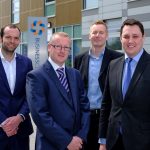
{"x": 60, "y": 47}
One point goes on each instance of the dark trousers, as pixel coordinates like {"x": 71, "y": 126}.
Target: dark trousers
{"x": 119, "y": 144}
{"x": 14, "y": 143}
{"x": 92, "y": 139}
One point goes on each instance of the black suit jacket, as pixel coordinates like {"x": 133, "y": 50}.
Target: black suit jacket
{"x": 82, "y": 64}
{"x": 132, "y": 113}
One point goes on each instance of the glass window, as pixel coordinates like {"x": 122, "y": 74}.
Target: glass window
{"x": 131, "y": 0}
{"x": 68, "y": 29}
{"x": 114, "y": 25}
{"x": 49, "y": 8}
{"x": 114, "y": 43}
{"x": 24, "y": 49}
{"x": 59, "y": 29}
{"x": 23, "y": 44}
{"x": 74, "y": 32}
{"x": 77, "y": 31}
{"x": 76, "y": 47}
{"x": 88, "y": 4}
{"x": 15, "y": 14}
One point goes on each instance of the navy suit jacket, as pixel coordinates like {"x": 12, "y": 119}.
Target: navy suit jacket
{"x": 58, "y": 118}
{"x": 16, "y": 103}
{"x": 132, "y": 112}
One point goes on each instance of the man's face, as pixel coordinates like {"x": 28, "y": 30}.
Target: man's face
{"x": 10, "y": 40}
{"x": 59, "y": 56}
{"x": 98, "y": 35}
{"x": 132, "y": 40}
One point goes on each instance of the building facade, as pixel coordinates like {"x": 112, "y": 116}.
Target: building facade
{"x": 114, "y": 13}
{"x": 62, "y": 15}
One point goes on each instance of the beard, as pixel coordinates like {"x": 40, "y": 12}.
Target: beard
{"x": 9, "y": 49}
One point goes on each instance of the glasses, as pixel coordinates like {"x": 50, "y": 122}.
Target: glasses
{"x": 60, "y": 47}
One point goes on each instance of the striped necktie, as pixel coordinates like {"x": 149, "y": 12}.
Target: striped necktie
{"x": 128, "y": 75}
{"x": 62, "y": 78}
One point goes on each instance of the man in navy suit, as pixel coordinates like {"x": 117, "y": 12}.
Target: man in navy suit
{"x": 15, "y": 123}
{"x": 58, "y": 104}
{"x": 125, "y": 113}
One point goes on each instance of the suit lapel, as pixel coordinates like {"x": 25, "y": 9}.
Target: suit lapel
{"x": 72, "y": 80}
{"x": 119, "y": 77}
{"x": 105, "y": 62}
{"x": 3, "y": 76}
{"x": 19, "y": 65}
{"x": 138, "y": 72}
{"x": 52, "y": 74}
{"x": 85, "y": 68}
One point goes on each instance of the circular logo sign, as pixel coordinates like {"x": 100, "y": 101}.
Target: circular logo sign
{"x": 37, "y": 27}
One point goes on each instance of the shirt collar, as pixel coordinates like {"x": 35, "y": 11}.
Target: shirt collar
{"x": 3, "y": 58}
{"x": 101, "y": 54}
{"x": 54, "y": 65}
{"x": 137, "y": 57}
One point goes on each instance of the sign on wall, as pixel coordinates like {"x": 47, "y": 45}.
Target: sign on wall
{"x": 37, "y": 40}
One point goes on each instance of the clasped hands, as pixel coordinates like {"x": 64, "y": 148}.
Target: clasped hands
{"x": 10, "y": 125}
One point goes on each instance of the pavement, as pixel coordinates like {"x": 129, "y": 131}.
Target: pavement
{"x": 32, "y": 138}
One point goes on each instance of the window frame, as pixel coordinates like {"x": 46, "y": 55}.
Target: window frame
{"x": 87, "y": 1}
{"x": 114, "y": 33}
{"x": 48, "y": 4}
{"x": 69, "y": 62}
{"x": 14, "y": 12}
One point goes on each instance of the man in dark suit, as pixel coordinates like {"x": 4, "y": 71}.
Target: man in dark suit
{"x": 58, "y": 104}
{"x": 15, "y": 123}
{"x": 125, "y": 111}
{"x": 93, "y": 66}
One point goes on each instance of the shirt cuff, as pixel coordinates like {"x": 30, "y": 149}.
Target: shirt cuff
{"x": 102, "y": 141}
{"x": 22, "y": 116}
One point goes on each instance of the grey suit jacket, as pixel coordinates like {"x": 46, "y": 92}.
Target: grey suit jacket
{"x": 132, "y": 113}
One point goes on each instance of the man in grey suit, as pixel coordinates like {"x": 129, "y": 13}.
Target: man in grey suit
{"x": 58, "y": 104}
{"x": 125, "y": 111}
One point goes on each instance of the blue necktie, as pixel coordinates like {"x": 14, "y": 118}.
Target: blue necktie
{"x": 128, "y": 75}
{"x": 62, "y": 78}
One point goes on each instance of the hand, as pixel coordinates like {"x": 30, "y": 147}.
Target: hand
{"x": 10, "y": 125}
{"x": 102, "y": 147}
{"x": 75, "y": 144}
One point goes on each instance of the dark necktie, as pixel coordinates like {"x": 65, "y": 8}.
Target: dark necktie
{"x": 128, "y": 75}
{"x": 62, "y": 78}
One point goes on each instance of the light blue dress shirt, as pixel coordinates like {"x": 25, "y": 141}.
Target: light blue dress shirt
{"x": 94, "y": 92}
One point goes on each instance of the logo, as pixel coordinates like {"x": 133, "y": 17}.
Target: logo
{"x": 37, "y": 27}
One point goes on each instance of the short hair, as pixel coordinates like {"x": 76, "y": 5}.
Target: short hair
{"x": 2, "y": 32}
{"x": 100, "y": 22}
{"x": 132, "y": 22}
{"x": 63, "y": 34}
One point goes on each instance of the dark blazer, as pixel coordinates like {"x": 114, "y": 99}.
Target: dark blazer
{"x": 132, "y": 113}
{"x": 57, "y": 117}
{"x": 82, "y": 64}
{"x": 16, "y": 103}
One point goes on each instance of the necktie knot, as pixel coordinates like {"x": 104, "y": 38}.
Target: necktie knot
{"x": 62, "y": 78}
{"x": 128, "y": 60}
{"x": 60, "y": 72}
